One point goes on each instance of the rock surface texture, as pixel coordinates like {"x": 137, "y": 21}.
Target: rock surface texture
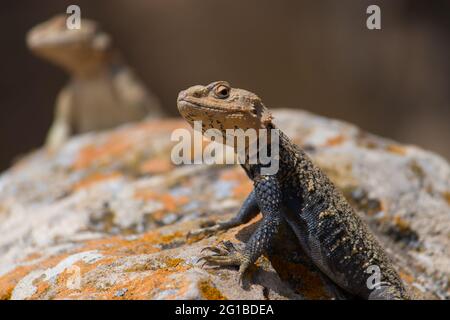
{"x": 107, "y": 216}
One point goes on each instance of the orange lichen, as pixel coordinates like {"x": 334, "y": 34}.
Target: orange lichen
{"x": 117, "y": 246}
{"x": 9, "y": 281}
{"x": 243, "y": 189}
{"x": 209, "y": 291}
{"x": 402, "y": 224}
{"x": 398, "y": 149}
{"x": 156, "y": 282}
{"x": 65, "y": 288}
{"x": 152, "y": 282}
{"x": 117, "y": 145}
{"x": 446, "y": 196}
{"x": 368, "y": 143}
{"x": 337, "y": 140}
{"x": 156, "y": 166}
{"x": 93, "y": 179}
{"x": 406, "y": 277}
{"x": 157, "y": 237}
{"x": 136, "y": 288}
{"x": 173, "y": 262}
{"x": 233, "y": 175}
{"x": 171, "y": 203}
{"x": 42, "y": 287}
{"x": 120, "y": 142}
{"x": 32, "y": 256}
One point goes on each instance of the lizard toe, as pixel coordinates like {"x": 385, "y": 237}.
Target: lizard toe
{"x": 224, "y": 254}
{"x": 244, "y": 273}
{"x": 220, "y": 260}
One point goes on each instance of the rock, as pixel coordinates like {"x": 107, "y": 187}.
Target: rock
{"x": 107, "y": 216}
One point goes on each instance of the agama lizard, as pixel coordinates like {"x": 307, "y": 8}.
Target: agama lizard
{"x": 103, "y": 91}
{"x": 328, "y": 229}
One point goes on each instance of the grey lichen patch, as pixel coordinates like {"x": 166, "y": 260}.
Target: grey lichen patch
{"x": 26, "y": 288}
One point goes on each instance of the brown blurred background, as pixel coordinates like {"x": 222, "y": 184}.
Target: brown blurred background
{"x": 314, "y": 55}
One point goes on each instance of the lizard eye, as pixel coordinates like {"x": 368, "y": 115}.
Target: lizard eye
{"x": 222, "y": 91}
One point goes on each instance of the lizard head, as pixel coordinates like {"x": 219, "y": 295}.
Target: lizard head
{"x": 75, "y": 50}
{"x": 219, "y": 106}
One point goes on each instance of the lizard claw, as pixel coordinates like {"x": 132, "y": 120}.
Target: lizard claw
{"x": 226, "y": 254}
{"x": 204, "y": 262}
{"x": 213, "y": 249}
{"x": 224, "y": 248}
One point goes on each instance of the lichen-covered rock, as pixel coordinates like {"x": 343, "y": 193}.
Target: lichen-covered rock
{"x": 107, "y": 216}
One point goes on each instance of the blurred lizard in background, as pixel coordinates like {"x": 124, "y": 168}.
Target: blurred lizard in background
{"x": 102, "y": 92}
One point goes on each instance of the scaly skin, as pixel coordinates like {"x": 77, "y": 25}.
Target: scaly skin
{"x": 326, "y": 226}
{"x": 102, "y": 93}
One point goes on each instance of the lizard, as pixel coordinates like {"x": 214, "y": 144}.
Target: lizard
{"x": 102, "y": 91}
{"x": 299, "y": 194}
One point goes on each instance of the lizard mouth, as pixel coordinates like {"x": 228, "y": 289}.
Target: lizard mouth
{"x": 184, "y": 105}
{"x": 192, "y": 103}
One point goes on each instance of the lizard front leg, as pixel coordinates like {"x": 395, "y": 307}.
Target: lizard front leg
{"x": 62, "y": 125}
{"x": 248, "y": 211}
{"x": 268, "y": 197}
